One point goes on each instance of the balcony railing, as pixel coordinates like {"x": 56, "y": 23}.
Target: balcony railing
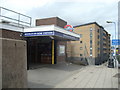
{"x": 10, "y": 16}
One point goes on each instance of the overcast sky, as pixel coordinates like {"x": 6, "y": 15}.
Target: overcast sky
{"x": 75, "y": 12}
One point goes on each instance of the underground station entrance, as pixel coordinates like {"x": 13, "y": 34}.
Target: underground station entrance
{"x": 47, "y": 45}
{"x": 39, "y": 50}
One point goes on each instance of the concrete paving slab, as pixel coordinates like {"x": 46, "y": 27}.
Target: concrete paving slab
{"x": 73, "y": 76}
{"x": 93, "y": 81}
{"x": 101, "y": 77}
{"x": 51, "y": 75}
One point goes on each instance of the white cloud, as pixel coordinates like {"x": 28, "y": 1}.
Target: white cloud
{"x": 23, "y": 5}
{"x": 89, "y": 1}
{"x": 74, "y": 11}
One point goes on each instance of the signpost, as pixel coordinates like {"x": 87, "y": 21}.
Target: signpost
{"x": 115, "y": 42}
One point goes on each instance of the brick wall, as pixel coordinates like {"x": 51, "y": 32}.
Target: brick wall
{"x": 49, "y": 21}
{"x": 11, "y": 34}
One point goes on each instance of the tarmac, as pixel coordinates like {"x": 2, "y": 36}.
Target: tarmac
{"x": 73, "y": 76}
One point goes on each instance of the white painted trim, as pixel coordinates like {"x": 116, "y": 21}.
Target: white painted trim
{"x": 11, "y": 27}
{"x": 51, "y": 28}
{"x": 38, "y": 28}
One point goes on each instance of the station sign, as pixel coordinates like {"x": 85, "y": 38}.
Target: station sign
{"x": 68, "y": 28}
{"x": 28, "y": 34}
{"x": 49, "y": 33}
{"x": 115, "y": 41}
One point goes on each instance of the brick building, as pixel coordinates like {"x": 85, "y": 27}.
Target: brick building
{"x": 22, "y": 45}
{"x": 93, "y": 47}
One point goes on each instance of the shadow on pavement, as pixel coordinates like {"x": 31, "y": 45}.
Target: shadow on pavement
{"x": 60, "y": 66}
{"x": 65, "y": 66}
{"x": 38, "y": 85}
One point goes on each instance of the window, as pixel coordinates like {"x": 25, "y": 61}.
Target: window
{"x": 90, "y": 52}
{"x": 98, "y": 36}
{"x": 90, "y": 45}
{"x": 81, "y": 59}
{"x": 98, "y": 49}
{"x": 81, "y": 35}
{"x": 98, "y": 43}
{"x": 98, "y": 55}
{"x": 90, "y": 28}
{"x": 90, "y": 48}
{"x": 80, "y": 54}
{"x": 91, "y": 35}
{"x": 81, "y": 48}
{"x": 98, "y": 30}
{"x": 80, "y": 41}
{"x": 90, "y": 41}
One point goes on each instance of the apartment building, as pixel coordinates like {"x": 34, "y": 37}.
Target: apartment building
{"x": 106, "y": 46}
{"x": 93, "y": 46}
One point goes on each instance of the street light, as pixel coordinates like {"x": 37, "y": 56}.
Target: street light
{"x": 115, "y": 34}
{"x": 109, "y": 21}
{"x": 114, "y": 24}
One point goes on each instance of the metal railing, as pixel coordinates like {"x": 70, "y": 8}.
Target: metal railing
{"x": 21, "y": 19}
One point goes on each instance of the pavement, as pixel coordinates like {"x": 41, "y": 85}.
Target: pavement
{"x": 48, "y": 76}
{"x": 73, "y": 76}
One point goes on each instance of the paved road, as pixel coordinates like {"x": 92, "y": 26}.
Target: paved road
{"x": 73, "y": 76}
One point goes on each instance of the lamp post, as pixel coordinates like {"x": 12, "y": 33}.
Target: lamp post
{"x": 115, "y": 26}
{"x": 115, "y": 34}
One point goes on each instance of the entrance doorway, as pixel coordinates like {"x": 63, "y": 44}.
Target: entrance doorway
{"x": 39, "y": 51}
